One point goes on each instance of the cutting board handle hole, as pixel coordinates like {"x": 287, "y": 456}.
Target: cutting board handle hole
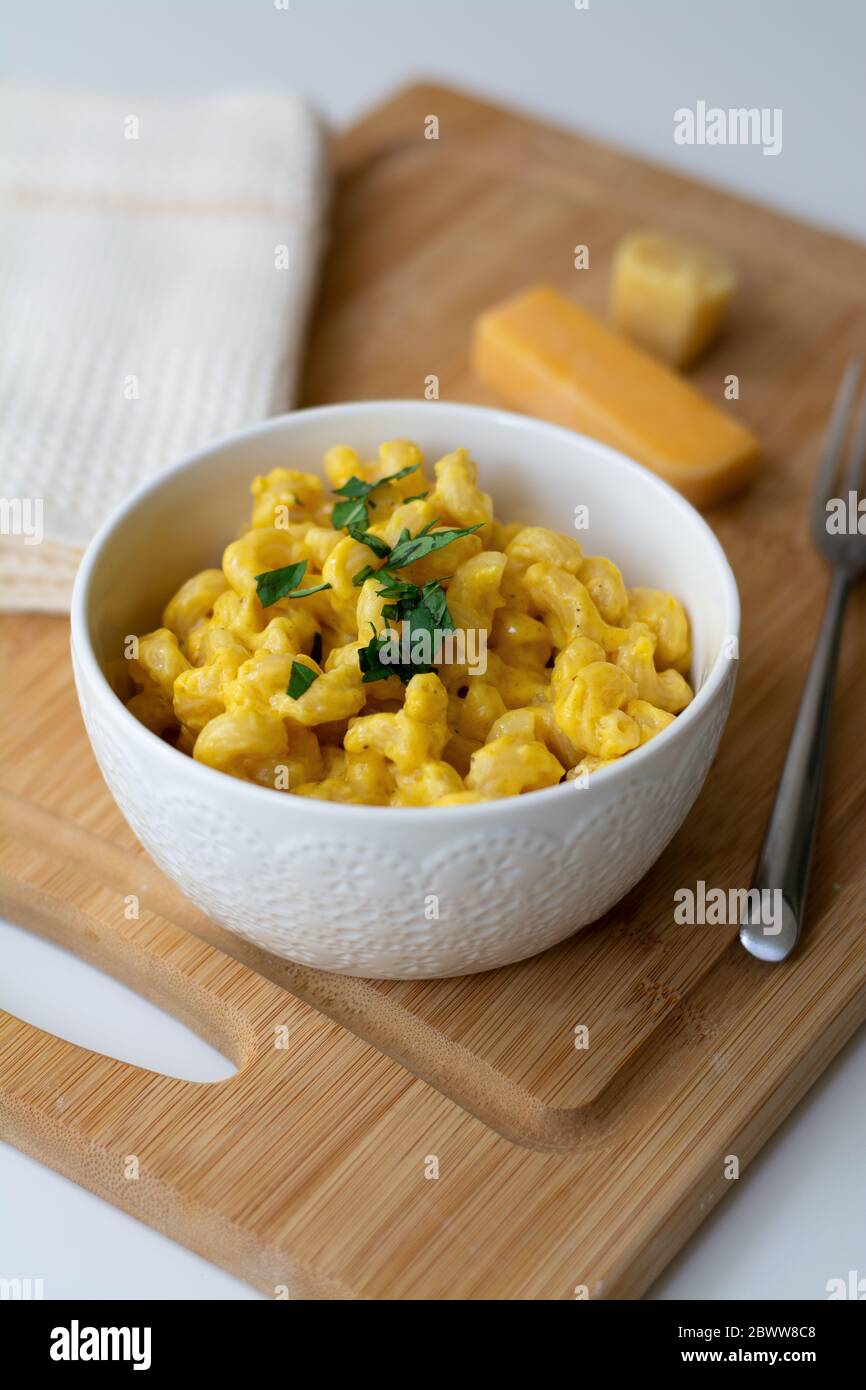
{"x": 52, "y": 989}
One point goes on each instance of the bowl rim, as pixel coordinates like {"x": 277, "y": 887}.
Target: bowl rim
{"x": 152, "y": 745}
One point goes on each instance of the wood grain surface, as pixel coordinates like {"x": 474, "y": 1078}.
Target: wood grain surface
{"x": 559, "y": 1168}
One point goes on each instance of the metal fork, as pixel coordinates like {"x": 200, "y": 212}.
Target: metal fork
{"x": 786, "y": 853}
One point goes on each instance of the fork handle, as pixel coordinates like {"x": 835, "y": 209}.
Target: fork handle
{"x": 771, "y": 930}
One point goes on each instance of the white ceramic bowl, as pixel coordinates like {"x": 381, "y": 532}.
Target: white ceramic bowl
{"x": 379, "y": 891}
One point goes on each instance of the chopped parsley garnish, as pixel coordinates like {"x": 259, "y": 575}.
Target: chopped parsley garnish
{"x": 281, "y": 583}
{"x": 392, "y": 587}
{"x": 372, "y": 667}
{"x": 304, "y": 593}
{"x": 353, "y": 510}
{"x": 378, "y": 547}
{"x": 411, "y": 548}
{"x": 407, "y": 550}
{"x": 363, "y": 575}
{"x": 350, "y": 513}
{"x": 301, "y": 679}
{"x": 425, "y": 607}
{"x": 422, "y": 609}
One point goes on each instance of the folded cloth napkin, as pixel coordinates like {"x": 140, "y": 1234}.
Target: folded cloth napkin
{"x": 157, "y": 263}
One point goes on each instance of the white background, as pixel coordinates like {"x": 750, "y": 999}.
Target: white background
{"x": 618, "y": 70}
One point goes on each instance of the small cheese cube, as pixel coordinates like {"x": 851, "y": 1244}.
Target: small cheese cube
{"x": 668, "y": 295}
{"x": 548, "y": 358}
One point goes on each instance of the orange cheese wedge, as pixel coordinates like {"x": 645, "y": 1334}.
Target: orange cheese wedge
{"x": 546, "y": 357}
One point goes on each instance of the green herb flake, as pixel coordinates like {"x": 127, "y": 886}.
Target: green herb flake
{"x": 273, "y": 585}
{"x": 413, "y": 548}
{"x": 363, "y": 575}
{"x": 301, "y": 679}
{"x": 353, "y": 510}
{"x": 354, "y": 487}
{"x": 420, "y": 608}
{"x": 379, "y": 547}
{"x": 369, "y": 660}
{"x": 276, "y": 584}
{"x": 350, "y": 513}
{"x": 395, "y": 588}
{"x": 305, "y": 593}
{"x": 374, "y": 669}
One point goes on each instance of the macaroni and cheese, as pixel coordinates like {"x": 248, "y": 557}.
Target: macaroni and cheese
{"x": 397, "y": 645}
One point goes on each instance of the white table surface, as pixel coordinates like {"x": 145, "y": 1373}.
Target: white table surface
{"x": 617, "y": 70}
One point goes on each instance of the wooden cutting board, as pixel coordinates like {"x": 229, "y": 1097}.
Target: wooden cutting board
{"x": 313, "y": 1170}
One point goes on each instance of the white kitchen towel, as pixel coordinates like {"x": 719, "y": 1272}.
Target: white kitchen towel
{"x": 157, "y": 263}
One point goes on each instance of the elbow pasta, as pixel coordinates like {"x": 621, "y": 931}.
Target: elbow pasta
{"x": 578, "y": 669}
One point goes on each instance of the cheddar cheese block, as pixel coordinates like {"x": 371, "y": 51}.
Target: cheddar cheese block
{"x": 547, "y": 357}
{"x": 669, "y": 296}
